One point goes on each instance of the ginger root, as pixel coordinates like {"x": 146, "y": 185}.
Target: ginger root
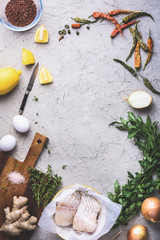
{"x": 18, "y": 219}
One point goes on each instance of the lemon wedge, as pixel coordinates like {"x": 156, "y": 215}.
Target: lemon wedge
{"x": 45, "y": 76}
{"x": 41, "y": 35}
{"x": 27, "y": 57}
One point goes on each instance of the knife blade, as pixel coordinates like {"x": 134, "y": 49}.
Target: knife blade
{"x": 29, "y": 88}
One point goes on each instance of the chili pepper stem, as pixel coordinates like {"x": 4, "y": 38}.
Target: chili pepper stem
{"x": 141, "y": 75}
{"x": 125, "y": 99}
{"x": 122, "y": 34}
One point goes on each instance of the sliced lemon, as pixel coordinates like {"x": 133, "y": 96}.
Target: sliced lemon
{"x": 45, "y": 76}
{"x": 27, "y": 57}
{"x": 41, "y": 35}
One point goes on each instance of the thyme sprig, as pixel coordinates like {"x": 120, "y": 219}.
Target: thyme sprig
{"x": 43, "y": 185}
{"x": 142, "y": 184}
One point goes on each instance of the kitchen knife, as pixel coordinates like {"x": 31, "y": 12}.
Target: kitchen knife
{"x": 29, "y": 88}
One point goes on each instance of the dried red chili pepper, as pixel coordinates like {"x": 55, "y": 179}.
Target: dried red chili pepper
{"x": 114, "y": 12}
{"x": 137, "y": 56}
{"x": 150, "y": 47}
{"x": 76, "y": 25}
{"x": 116, "y": 30}
{"x": 106, "y": 16}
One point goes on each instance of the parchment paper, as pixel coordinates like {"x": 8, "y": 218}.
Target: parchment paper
{"x": 107, "y": 217}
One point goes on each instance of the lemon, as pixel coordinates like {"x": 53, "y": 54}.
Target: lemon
{"x": 45, "y": 76}
{"x": 27, "y": 57}
{"x": 9, "y": 78}
{"x": 41, "y": 35}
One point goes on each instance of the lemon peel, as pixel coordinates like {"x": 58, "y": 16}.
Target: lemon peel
{"x": 41, "y": 35}
{"x": 27, "y": 57}
{"x": 45, "y": 76}
{"x": 9, "y": 78}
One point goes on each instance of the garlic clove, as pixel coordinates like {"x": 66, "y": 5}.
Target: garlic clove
{"x": 139, "y": 99}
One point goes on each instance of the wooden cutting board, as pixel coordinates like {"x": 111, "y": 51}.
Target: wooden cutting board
{"x": 8, "y": 189}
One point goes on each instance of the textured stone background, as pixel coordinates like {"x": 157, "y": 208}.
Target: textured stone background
{"x": 74, "y": 111}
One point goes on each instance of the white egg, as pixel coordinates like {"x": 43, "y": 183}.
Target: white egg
{"x": 21, "y": 123}
{"x": 7, "y": 143}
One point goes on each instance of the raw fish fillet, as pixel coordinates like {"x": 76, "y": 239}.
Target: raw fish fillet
{"x": 66, "y": 209}
{"x": 85, "y": 219}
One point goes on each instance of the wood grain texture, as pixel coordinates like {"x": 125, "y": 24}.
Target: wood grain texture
{"x": 9, "y": 164}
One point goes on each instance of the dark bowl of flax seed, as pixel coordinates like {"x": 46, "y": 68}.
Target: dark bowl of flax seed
{"x": 20, "y": 15}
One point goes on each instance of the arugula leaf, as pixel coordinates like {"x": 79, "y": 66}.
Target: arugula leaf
{"x": 117, "y": 188}
{"x": 130, "y": 175}
{"x": 142, "y": 185}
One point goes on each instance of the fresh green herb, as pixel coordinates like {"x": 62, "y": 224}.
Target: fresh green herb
{"x": 35, "y": 99}
{"x": 2, "y": 187}
{"x": 64, "y": 32}
{"x": 43, "y": 185}
{"x": 77, "y": 33}
{"x": 60, "y": 32}
{"x": 88, "y": 27}
{"x": 46, "y": 147}
{"x": 64, "y": 166}
{"x": 35, "y": 154}
{"x": 69, "y": 31}
{"x": 67, "y": 26}
{"x": 130, "y": 69}
{"x": 35, "y": 122}
{"x": 16, "y": 165}
{"x": 142, "y": 184}
{"x": 117, "y": 188}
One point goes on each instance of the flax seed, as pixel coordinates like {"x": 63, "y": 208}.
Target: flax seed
{"x": 21, "y": 13}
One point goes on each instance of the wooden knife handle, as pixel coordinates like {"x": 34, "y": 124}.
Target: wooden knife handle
{"x": 35, "y": 150}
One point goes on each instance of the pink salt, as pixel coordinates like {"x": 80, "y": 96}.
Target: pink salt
{"x": 16, "y": 178}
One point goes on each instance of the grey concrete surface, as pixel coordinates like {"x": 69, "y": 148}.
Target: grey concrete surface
{"x": 75, "y": 111}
